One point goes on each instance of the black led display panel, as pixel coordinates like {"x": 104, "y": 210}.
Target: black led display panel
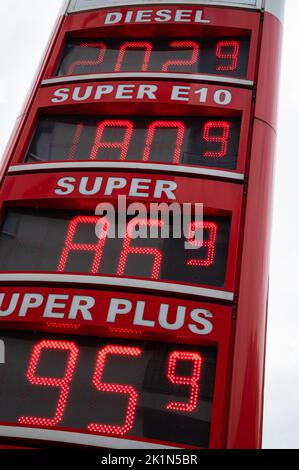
{"x": 72, "y": 242}
{"x": 118, "y": 388}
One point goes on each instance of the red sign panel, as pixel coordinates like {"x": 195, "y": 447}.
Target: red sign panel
{"x": 208, "y": 127}
{"x": 140, "y": 342}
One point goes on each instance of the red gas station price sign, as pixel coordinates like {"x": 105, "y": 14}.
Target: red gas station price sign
{"x": 124, "y": 342}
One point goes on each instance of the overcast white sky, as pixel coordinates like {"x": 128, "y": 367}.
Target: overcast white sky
{"x": 25, "y": 29}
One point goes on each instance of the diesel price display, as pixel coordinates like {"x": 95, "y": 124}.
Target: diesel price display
{"x": 225, "y": 56}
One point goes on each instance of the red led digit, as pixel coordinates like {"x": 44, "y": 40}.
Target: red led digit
{"x": 192, "y": 381}
{"x": 76, "y": 140}
{"x": 63, "y": 383}
{"x": 122, "y": 145}
{"x": 70, "y": 245}
{"x": 183, "y": 45}
{"x": 178, "y": 125}
{"x": 147, "y": 46}
{"x": 227, "y": 51}
{"x": 128, "y": 249}
{"x": 96, "y": 45}
{"x": 118, "y": 430}
{"x": 223, "y": 138}
{"x": 210, "y": 243}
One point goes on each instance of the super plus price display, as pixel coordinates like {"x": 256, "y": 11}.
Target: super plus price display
{"x": 157, "y": 341}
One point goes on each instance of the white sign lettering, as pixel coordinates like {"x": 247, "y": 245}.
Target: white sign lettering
{"x": 88, "y": 309}
{"x": 137, "y": 187}
{"x": 152, "y": 16}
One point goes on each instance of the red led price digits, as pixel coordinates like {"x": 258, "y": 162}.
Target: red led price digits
{"x": 114, "y": 353}
{"x": 70, "y": 245}
{"x": 129, "y": 249}
{"x": 227, "y": 51}
{"x": 178, "y": 125}
{"x": 192, "y": 381}
{"x": 210, "y": 243}
{"x": 147, "y": 46}
{"x": 122, "y": 145}
{"x": 209, "y": 136}
{"x": 63, "y": 383}
{"x": 183, "y": 45}
{"x": 213, "y": 132}
{"x": 144, "y": 56}
{"x": 118, "y": 430}
{"x": 102, "y": 228}
{"x": 96, "y": 45}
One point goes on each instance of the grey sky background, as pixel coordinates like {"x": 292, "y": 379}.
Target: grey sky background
{"x": 25, "y": 30}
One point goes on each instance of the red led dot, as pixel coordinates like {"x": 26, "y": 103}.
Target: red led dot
{"x": 96, "y": 45}
{"x": 63, "y": 383}
{"x": 192, "y": 381}
{"x": 70, "y": 245}
{"x": 117, "y": 430}
{"x": 126, "y": 331}
{"x": 64, "y": 326}
{"x": 128, "y": 249}
{"x": 147, "y": 46}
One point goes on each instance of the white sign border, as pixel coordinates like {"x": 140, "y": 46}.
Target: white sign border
{"x": 69, "y": 437}
{"x": 72, "y": 8}
{"x": 275, "y": 7}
